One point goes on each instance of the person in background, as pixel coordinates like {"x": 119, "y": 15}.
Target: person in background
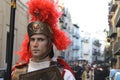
{"x": 113, "y": 69}
{"x": 88, "y": 74}
{"x": 99, "y": 73}
{"x": 42, "y": 34}
{"x": 78, "y": 71}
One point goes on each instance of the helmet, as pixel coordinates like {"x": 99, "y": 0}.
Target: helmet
{"x": 39, "y": 28}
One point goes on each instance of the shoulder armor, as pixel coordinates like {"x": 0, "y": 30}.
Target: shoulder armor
{"x": 18, "y": 69}
{"x": 20, "y": 65}
{"x": 55, "y": 63}
{"x": 52, "y": 63}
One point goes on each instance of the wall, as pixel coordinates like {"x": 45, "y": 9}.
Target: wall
{"x": 21, "y": 20}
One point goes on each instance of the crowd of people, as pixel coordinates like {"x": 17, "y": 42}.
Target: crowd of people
{"x": 91, "y": 72}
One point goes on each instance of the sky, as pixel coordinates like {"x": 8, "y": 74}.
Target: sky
{"x": 90, "y": 15}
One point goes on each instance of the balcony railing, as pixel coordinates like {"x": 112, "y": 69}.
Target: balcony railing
{"x": 117, "y": 0}
{"x": 117, "y": 19}
{"x": 113, "y": 31}
{"x": 76, "y": 47}
{"x": 111, "y": 15}
{"x": 63, "y": 26}
{"x": 113, "y": 7}
{"x": 77, "y": 36}
{"x": 117, "y": 46}
{"x": 109, "y": 22}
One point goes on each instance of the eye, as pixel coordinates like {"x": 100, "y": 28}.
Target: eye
{"x": 40, "y": 39}
{"x": 32, "y": 39}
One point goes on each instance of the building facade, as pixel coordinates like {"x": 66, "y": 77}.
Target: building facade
{"x": 114, "y": 29}
{"x": 21, "y": 20}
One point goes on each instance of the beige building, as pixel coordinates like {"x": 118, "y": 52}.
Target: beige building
{"x": 21, "y": 20}
{"x": 114, "y": 26}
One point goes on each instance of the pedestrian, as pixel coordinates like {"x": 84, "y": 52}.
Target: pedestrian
{"x": 113, "y": 68}
{"x": 42, "y": 34}
{"x": 88, "y": 74}
{"x": 99, "y": 73}
{"x": 78, "y": 70}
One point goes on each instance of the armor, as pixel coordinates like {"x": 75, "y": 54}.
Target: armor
{"x": 50, "y": 73}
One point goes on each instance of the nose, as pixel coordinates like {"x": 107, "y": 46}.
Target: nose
{"x": 35, "y": 43}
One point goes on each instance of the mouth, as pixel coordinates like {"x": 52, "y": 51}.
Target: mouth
{"x": 35, "y": 50}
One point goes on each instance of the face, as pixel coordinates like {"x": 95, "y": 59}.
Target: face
{"x": 38, "y": 45}
{"x": 86, "y": 67}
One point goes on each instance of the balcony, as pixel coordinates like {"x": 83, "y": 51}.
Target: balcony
{"x": 113, "y": 32}
{"x": 113, "y": 7}
{"x": 64, "y": 26}
{"x": 76, "y": 25}
{"x": 76, "y": 36}
{"x": 96, "y": 53}
{"x": 97, "y": 43}
{"x": 118, "y": 23}
{"x": 117, "y": 0}
{"x": 108, "y": 38}
{"x": 111, "y": 15}
{"x": 76, "y": 47}
{"x": 109, "y": 22}
{"x": 61, "y": 20}
{"x": 117, "y": 19}
{"x": 117, "y": 47}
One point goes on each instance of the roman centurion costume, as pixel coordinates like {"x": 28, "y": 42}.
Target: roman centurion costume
{"x": 49, "y": 72}
{"x": 44, "y": 20}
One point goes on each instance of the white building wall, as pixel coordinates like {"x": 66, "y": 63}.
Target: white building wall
{"x": 86, "y": 46}
{"x": 2, "y": 56}
{"x": 21, "y": 21}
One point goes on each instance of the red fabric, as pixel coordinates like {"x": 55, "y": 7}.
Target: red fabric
{"x": 66, "y": 66}
{"x": 63, "y": 73}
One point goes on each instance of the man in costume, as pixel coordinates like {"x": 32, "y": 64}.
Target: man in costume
{"x": 42, "y": 33}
